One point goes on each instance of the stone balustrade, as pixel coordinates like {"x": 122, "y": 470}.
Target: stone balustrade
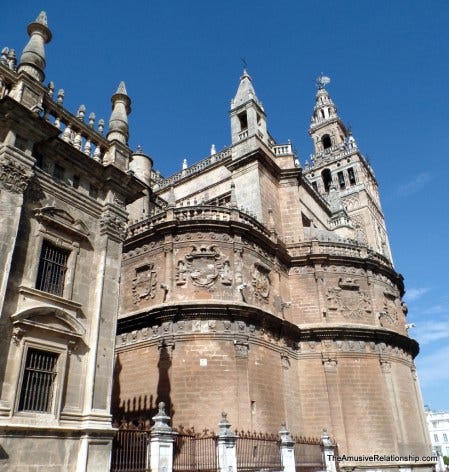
{"x": 195, "y": 168}
{"x": 74, "y": 130}
{"x": 198, "y": 213}
{"x": 282, "y": 149}
{"x": 243, "y": 134}
{"x": 345, "y": 248}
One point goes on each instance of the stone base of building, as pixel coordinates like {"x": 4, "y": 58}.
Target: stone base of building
{"x": 54, "y": 450}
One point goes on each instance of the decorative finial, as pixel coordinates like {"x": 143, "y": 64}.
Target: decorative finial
{"x": 184, "y": 164}
{"x": 322, "y": 81}
{"x": 139, "y": 149}
{"x": 91, "y": 119}
{"x": 81, "y": 113}
{"x": 121, "y": 88}
{"x": 60, "y": 99}
{"x": 118, "y": 122}
{"x": 213, "y": 150}
{"x": 42, "y": 18}
{"x": 51, "y": 89}
{"x": 32, "y": 60}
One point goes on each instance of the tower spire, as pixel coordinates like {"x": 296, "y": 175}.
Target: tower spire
{"x": 118, "y": 122}
{"x": 247, "y": 114}
{"x": 32, "y": 60}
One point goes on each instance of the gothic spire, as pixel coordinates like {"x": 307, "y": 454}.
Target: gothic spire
{"x": 118, "y": 122}
{"x": 245, "y": 91}
{"x": 32, "y": 60}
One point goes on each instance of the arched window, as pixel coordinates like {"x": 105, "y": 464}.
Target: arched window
{"x": 326, "y": 140}
{"x": 327, "y": 179}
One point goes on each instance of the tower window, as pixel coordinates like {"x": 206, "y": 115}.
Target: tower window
{"x": 243, "y": 118}
{"x": 327, "y": 179}
{"x": 305, "y": 221}
{"x": 38, "y": 381}
{"x": 315, "y": 186}
{"x": 326, "y": 141}
{"x": 351, "y": 176}
{"x": 52, "y": 269}
{"x": 76, "y": 181}
{"x": 341, "y": 180}
{"x": 58, "y": 172}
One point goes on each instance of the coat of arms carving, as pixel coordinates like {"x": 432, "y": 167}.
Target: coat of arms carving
{"x": 261, "y": 282}
{"x": 348, "y": 300}
{"x": 204, "y": 266}
{"x": 144, "y": 283}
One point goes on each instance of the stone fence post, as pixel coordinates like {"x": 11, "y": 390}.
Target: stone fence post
{"x": 287, "y": 450}
{"x": 329, "y": 451}
{"x": 161, "y": 443}
{"x": 226, "y": 446}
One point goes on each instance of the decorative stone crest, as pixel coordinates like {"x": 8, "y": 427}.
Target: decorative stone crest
{"x": 261, "y": 282}
{"x": 13, "y": 177}
{"x": 205, "y": 266}
{"x": 348, "y": 300}
{"x": 144, "y": 283}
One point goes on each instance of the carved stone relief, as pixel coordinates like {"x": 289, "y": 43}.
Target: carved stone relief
{"x": 204, "y": 266}
{"x": 261, "y": 282}
{"x": 144, "y": 283}
{"x": 348, "y": 300}
{"x": 389, "y": 315}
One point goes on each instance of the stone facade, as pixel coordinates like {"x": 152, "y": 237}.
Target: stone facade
{"x": 244, "y": 283}
{"x": 62, "y": 226}
{"x": 259, "y": 288}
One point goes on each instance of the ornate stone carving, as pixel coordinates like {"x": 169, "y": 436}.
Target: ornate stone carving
{"x": 205, "y": 266}
{"x": 112, "y": 225}
{"x": 241, "y": 349}
{"x": 348, "y": 300}
{"x": 261, "y": 282}
{"x": 13, "y": 177}
{"x": 144, "y": 283}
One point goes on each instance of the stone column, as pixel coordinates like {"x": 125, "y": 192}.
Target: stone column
{"x": 161, "y": 443}
{"x": 287, "y": 450}
{"x": 329, "y": 451}
{"x": 226, "y": 450}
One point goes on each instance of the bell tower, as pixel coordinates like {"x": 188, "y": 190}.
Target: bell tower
{"x": 338, "y": 163}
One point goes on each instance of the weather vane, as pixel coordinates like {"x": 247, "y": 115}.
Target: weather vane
{"x": 322, "y": 81}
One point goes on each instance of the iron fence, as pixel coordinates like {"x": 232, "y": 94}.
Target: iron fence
{"x": 308, "y": 454}
{"x": 130, "y": 451}
{"x": 195, "y": 452}
{"x": 256, "y": 451}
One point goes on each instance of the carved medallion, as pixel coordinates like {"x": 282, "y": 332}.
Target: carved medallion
{"x": 205, "y": 266}
{"x": 261, "y": 282}
{"x": 144, "y": 283}
{"x": 348, "y": 300}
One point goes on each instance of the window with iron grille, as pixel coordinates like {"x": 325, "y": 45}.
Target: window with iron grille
{"x": 52, "y": 269}
{"x": 38, "y": 381}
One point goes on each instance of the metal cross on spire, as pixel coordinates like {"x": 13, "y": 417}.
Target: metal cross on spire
{"x": 244, "y": 63}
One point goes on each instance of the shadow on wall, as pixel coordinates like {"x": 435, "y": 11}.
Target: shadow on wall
{"x": 140, "y": 410}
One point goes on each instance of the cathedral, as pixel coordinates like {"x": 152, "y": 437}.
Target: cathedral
{"x": 248, "y": 283}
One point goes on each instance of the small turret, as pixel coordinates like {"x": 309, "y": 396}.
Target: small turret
{"x": 141, "y": 164}
{"x": 121, "y": 108}
{"x": 247, "y": 114}
{"x": 32, "y": 60}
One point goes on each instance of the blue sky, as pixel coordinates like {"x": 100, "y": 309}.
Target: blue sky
{"x": 389, "y": 65}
